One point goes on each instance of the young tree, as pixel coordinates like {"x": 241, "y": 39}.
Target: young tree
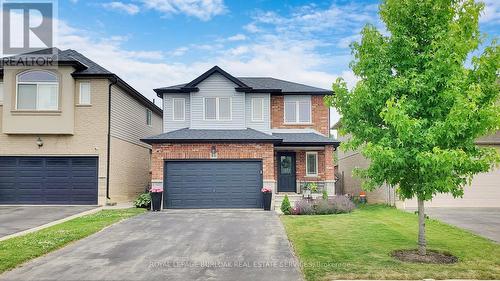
{"x": 420, "y": 106}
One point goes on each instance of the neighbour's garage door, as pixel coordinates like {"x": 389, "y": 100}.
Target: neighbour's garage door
{"x": 48, "y": 180}
{"x": 484, "y": 192}
{"x": 213, "y": 184}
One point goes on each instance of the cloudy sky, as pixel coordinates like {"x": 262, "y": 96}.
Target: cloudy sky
{"x": 155, "y": 43}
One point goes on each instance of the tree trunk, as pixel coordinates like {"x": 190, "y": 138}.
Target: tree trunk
{"x": 422, "y": 244}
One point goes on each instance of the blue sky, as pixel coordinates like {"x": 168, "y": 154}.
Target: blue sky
{"x": 154, "y": 43}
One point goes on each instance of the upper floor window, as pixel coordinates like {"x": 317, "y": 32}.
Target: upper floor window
{"x": 149, "y": 117}
{"x": 85, "y": 97}
{"x": 179, "y": 109}
{"x": 1, "y": 92}
{"x": 257, "y": 109}
{"x": 217, "y": 109}
{"x": 297, "y": 110}
{"x": 37, "y": 90}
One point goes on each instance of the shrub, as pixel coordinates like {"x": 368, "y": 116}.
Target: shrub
{"x": 325, "y": 195}
{"x": 285, "y": 206}
{"x": 143, "y": 201}
{"x": 323, "y": 207}
{"x": 337, "y": 205}
{"x": 303, "y": 207}
{"x": 342, "y": 204}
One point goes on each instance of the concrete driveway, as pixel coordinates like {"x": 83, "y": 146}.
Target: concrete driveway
{"x": 482, "y": 221}
{"x": 175, "y": 245}
{"x": 15, "y": 219}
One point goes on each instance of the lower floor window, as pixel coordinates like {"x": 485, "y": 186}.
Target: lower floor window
{"x": 311, "y": 163}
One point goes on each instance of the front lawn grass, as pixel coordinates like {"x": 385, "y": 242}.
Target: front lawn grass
{"x": 358, "y": 246}
{"x": 18, "y": 250}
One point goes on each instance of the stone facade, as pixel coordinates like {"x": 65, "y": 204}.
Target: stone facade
{"x": 320, "y": 115}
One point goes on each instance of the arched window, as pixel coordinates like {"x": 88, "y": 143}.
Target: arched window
{"x": 37, "y": 90}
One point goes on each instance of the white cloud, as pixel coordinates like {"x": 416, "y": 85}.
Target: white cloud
{"x": 201, "y": 9}
{"x": 179, "y": 51}
{"x": 128, "y": 8}
{"x": 237, "y": 37}
{"x": 491, "y": 13}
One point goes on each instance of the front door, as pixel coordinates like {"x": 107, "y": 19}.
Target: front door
{"x": 286, "y": 172}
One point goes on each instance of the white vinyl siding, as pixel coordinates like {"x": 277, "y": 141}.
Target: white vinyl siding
{"x": 297, "y": 109}
{"x": 232, "y": 105}
{"x": 264, "y": 124}
{"x": 129, "y": 118}
{"x": 85, "y": 96}
{"x": 169, "y": 124}
{"x": 311, "y": 164}
{"x": 179, "y": 109}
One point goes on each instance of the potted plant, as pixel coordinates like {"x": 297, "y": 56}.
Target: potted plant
{"x": 156, "y": 195}
{"x": 267, "y": 194}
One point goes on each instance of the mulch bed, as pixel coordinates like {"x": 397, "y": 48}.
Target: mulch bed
{"x": 434, "y": 257}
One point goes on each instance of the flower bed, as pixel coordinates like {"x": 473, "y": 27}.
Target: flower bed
{"x": 335, "y": 205}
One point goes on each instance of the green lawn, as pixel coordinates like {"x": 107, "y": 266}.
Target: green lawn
{"x": 358, "y": 246}
{"x": 18, "y": 250}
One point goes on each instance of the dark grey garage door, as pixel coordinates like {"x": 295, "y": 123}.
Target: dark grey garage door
{"x": 213, "y": 184}
{"x": 48, "y": 180}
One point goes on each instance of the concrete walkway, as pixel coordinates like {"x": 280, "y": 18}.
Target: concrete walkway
{"x": 175, "y": 245}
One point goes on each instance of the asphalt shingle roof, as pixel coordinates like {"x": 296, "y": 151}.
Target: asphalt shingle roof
{"x": 246, "y": 135}
{"x": 304, "y": 138}
{"x": 185, "y": 135}
{"x": 248, "y": 84}
{"x": 273, "y": 83}
{"x": 85, "y": 67}
{"x": 266, "y": 83}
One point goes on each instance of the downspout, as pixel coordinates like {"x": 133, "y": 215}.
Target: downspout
{"x": 108, "y": 156}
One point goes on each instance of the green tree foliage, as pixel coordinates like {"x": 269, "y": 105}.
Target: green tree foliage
{"x": 420, "y": 106}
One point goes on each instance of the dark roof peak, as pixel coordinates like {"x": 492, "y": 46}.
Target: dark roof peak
{"x": 208, "y": 73}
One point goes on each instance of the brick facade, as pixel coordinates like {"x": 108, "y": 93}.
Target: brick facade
{"x": 263, "y": 151}
{"x": 325, "y": 165}
{"x": 320, "y": 115}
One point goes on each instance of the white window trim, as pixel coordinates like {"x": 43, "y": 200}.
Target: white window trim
{"x": 252, "y": 107}
{"x": 35, "y": 83}
{"x": 217, "y": 117}
{"x": 80, "y": 94}
{"x": 150, "y": 113}
{"x": 183, "y": 112}
{"x": 297, "y": 118}
{"x": 307, "y": 162}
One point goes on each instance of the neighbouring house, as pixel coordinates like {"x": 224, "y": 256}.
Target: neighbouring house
{"x": 483, "y": 191}
{"x": 70, "y": 134}
{"x": 226, "y": 137}
{"x": 348, "y": 183}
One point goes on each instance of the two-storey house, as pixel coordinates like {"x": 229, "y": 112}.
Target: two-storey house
{"x": 70, "y": 134}
{"x": 226, "y": 137}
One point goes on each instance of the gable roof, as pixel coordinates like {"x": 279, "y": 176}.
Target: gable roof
{"x": 211, "y": 71}
{"x": 248, "y": 85}
{"x": 87, "y": 68}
